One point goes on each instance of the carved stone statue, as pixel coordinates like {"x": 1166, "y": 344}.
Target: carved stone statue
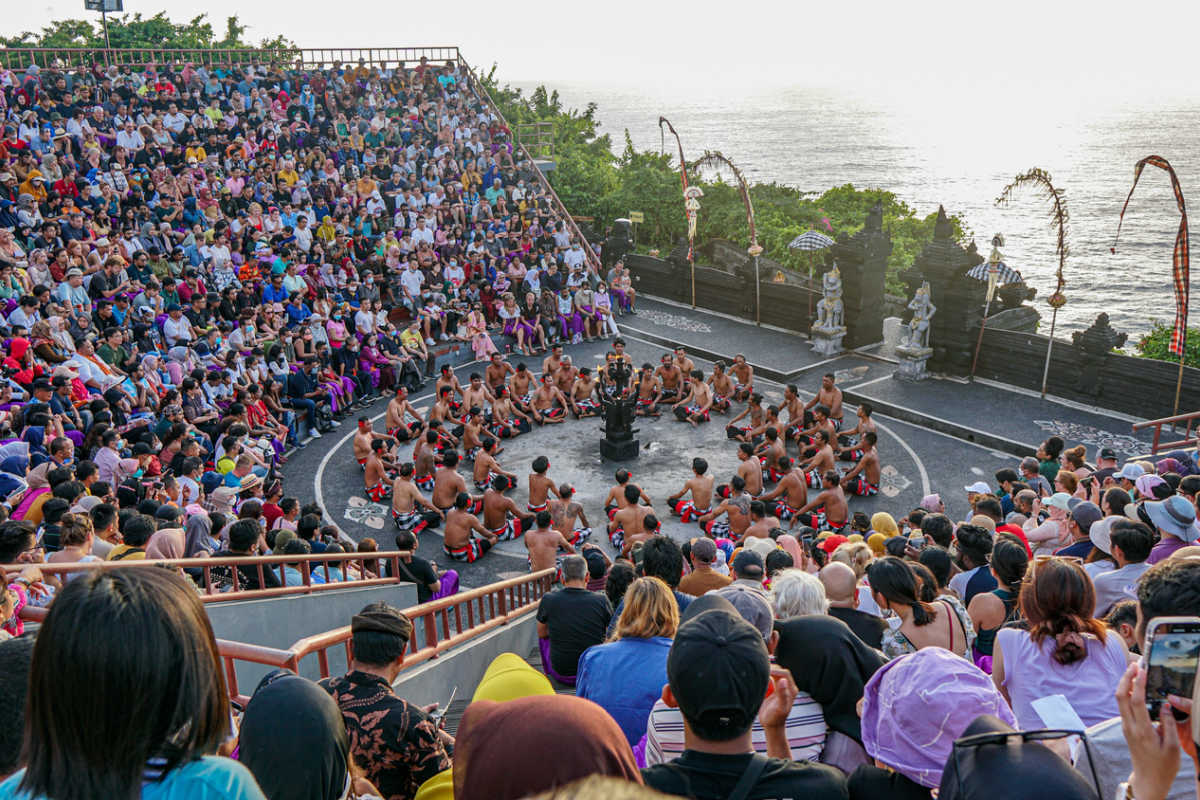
{"x": 618, "y": 400}
{"x": 830, "y": 310}
{"x": 918, "y": 328}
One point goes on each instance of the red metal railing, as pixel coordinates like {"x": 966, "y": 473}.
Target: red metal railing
{"x": 437, "y": 626}
{"x": 1191, "y": 424}
{"x": 216, "y": 591}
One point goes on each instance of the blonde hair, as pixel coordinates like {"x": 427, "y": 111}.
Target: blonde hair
{"x": 650, "y": 610}
{"x": 1068, "y": 479}
{"x": 855, "y": 555}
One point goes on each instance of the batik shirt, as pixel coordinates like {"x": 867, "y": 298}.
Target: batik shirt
{"x": 394, "y": 742}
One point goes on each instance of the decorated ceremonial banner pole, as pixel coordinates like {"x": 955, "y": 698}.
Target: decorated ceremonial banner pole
{"x": 993, "y": 279}
{"x": 691, "y": 198}
{"x": 1058, "y": 220}
{"x": 713, "y": 158}
{"x": 1179, "y": 263}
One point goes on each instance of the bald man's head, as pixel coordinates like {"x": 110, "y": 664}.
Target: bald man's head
{"x": 841, "y": 585}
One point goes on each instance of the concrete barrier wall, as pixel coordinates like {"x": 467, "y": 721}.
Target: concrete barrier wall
{"x": 463, "y": 666}
{"x": 281, "y": 621}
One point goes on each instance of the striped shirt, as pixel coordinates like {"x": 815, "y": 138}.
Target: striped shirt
{"x": 805, "y": 730}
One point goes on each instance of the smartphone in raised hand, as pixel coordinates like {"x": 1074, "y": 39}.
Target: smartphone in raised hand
{"x": 1171, "y": 656}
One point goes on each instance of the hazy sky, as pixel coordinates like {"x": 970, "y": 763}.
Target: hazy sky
{"x": 1015, "y": 47}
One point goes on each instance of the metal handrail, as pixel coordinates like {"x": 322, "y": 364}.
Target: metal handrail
{"x": 474, "y": 613}
{"x": 1189, "y": 439}
{"x": 212, "y": 594}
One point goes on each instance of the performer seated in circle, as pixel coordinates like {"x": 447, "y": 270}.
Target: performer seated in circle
{"x": 508, "y": 420}
{"x": 375, "y": 473}
{"x": 365, "y": 437}
{"x": 863, "y": 479}
{"x": 828, "y": 510}
{"x": 806, "y": 439}
{"x": 633, "y": 523}
{"x": 736, "y": 511}
{"x": 497, "y": 372}
{"x": 649, "y": 392}
{"x": 568, "y": 515}
{"x": 407, "y": 503}
{"x": 501, "y": 515}
{"x": 448, "y": 380}
{"x": 700, "y": 485}
{"x": 722, "y": 388}
{"x": 749, "y": 471}
{"x": 695, "y": 406}
{"x": 520, "y": 388}
{"x": 448, "y": 485}
{"x": 540, "y": 485}
{"x": 795, "y": 412}
{"x": 615, "y": 499}
{"x": 426, "y": 458}
{"x": 769, "y": 452}
{"x": 583, "y": 395}
{"x": 762, "y": 521}
{"x": 477, "y": 394}
{"x": 685, "y": 364}
{"x": 466, "y": 539}
{"x": 474, "y": 429}
{"x": 543, "y": 543}
{"x": 402, "y": 422}
{"x": 670, "y": 378}
{"x": 743, "y": 378}
{"x": 752, "y": 413}
{"x": 829, "y": 396}
{"x": 790, "y": 493}
{"x": 820, "y": 462}
{"x": 548, "y": 403}
{"x": 770, "y": 420}
{"x": 850, "y": 439}
{"x": 487, "y": 468}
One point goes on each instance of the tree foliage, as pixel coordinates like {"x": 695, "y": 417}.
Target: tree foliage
{"x": 135, "y": 30}
{"x": 592, "y": 181}
{"x": 1155, "y": 343}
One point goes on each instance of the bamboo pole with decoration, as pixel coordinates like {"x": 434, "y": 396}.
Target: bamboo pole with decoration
{"x": 691, "y": 197}
{"x": 712, "y": 158}
{"x": 993, "y": 279}
{"x": 1180, "y": 263}
{"x": 1059, "y": 219}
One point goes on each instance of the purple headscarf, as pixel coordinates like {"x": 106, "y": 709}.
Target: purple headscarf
{"x": 918, "y": 704}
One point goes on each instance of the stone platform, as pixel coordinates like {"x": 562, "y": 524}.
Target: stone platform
{"x": 938, "y": 435}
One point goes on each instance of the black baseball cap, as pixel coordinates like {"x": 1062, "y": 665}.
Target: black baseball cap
{"x": 748, "y": 564}
{"x": 596, "y": 564}
{"x": 718, "y": 667}
{"x": 1108, "y": 453}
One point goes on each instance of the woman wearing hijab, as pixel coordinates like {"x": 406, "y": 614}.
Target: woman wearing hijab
{"x": 913, "y": 709}
{"x": 294, "y": 741}
{"x": 832, "y": 665}
{"x": 626, "y": 675}
{"x": 198, "y": 539}
{"x": 509, "y": 750}
{"x": 883, "y": 522}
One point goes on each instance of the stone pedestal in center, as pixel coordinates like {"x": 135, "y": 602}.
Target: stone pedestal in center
{"x": 827, "y": 341}
{"x": 912, "y": 363}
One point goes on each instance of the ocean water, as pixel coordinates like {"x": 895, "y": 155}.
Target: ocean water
{"x": 960, "y": 152}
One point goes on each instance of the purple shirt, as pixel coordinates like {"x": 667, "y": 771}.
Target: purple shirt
{"x": 1163, "y": 550}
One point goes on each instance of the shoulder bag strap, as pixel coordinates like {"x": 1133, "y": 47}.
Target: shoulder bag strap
{"x": 754, "y": 771}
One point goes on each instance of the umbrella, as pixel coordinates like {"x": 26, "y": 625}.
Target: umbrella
{"x": 1004, "y": 273}
{"x": 811, "y": 241}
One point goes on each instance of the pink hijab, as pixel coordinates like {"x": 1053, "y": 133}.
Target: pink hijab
{"x": 166, "y": 544}
{"x": 789, "y": 544}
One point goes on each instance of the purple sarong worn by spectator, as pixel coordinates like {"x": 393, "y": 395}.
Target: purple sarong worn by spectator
{"x": 544, "y": 649}
{"x": 449, "y": 581}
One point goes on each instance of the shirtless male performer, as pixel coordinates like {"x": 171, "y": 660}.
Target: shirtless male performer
{"x": 375, "y": 475}
{"x": 695, "y": 406}
{"x": 820, "y": 462}
{"x": 790, "y": 493}
{"x": 850, "y": 451}
{"x": 497, "y": 372}
{"x": 749, "y": 471}
{"x": 447, "y": 378}
{"x": 615, "y": 499}
{"x": 795, "y": 412}
{"x": 487, "y": 468}
{"x": 806, "y": 439}
{"x": 829, "y": 396}
{"x": 828, "y": 510}
{"x": 540, "y": 486}
{"x": 649, "y": 392}
{"x": 685, "y": 364}
{"x": 863, "y": 479}
{"x": 550, "y": 363}
{"x": 474, "y": 429}
{"x": 743, "y": 378}
{"x": 722, "y": 388}
{"x": 769, "y": 452}
{"x": 548, "y": 403}
{"x": 633, "y": 523}
{"x": 508, "y": 420}
{"x": 762, "y": 522}
{"x": 568, "y": 515}
{"x": 564, "y": 376}
{"x": 426, "y": 458}
{"x": 407, "y": 503}
{"x": 670, "y": 378}
{"x": 466, "y": 539}
{"x": 520, "y": 387}
{"x": 476, "y": 394}
{"x": 700, "y": 485}
{"x": 448, "y": 485}
{"x": 736, "y": 510}
{"x": 753, "y": 412}
{"x": 397, "y": 421}
{"x": 543, "y": 544}
{"x": 364, "y": 438}
{"x": 501, "y": 515}
{"x": 583, "y": 395}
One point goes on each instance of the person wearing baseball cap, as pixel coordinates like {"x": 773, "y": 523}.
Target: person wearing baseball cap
{"x": 718, "y": 677}
{"x": 703, "y": 577}
{"x": 1081, "y": 515}
{"x": 1129, "y": 474}
{"x": 1106, "y": 464}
